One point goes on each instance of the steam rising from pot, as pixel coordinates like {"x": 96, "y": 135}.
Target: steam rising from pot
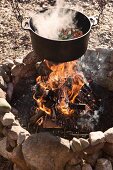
{"x": 50, "y": 23}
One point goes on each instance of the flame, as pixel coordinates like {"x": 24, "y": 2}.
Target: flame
{"x": 63, "y": 77}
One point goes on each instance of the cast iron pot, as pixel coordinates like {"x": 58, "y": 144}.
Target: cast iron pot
{"x": 61, "y": 50}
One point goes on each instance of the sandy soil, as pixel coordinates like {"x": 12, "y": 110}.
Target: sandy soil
{"x": 15, "y": 42}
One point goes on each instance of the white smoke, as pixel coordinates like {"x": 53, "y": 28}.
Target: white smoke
{"x": 88, "y": 121}
{"x": 49, "y": 24}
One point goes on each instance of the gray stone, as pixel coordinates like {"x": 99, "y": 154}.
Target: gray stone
{"x": 8, "y": 119}
{"x": 12, "y": 143}
{"x": 22, "y": 137}
{"x": 16, "y": 123}
{"x": 87, "y": 167}
{"x": 4, "y": 106}
{"x": 16, "y": 156}
{"x": 109, "y": 135}
{"x": 22, "y": 71}
{"x": 108, "y": 148}
{"x": 14, "y": 132}
{"x": 16, "y": 70}
{"x": 97, "y": 70}
{"x": 18, "y": 159}
{"x": 4, "y": 131}
{"x": 3, "y": 151}
{"x": 47, "y": 152}
{"x": 9, "y": 147}
{"x": 94, "y": 149}
{"x": 31, "y": 58}
{"x": 4, "y": 75}
{"x": 84, "y": 143}
{"x": 92, "y": 158}
{"x": 96, "y": 137}
{"x": 110, "y": 158}
{"x": 103, "y": 164}
{"x": 18, "y": 61}
{"x": 7, "y": 78}
{"x": 75, "y": 161}
{"x": 75, "y": 144}
{"x": 9, "y": 63}
{"x": 2, "y": 94}
{"x": 75, "y": 167}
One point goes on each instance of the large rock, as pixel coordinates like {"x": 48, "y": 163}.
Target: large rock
{"x": 22, "y": 137}
{"x": 18, "y": 61}
{"x": 87, "y": 167}
{"x": 3, "y": 151}
{"x": 84, "y": 142}
{"x": 96, "y": 138}
{"x": 92, "y": 158}
{"x": 16, "y": 131}
{"x": 75, "y": 167}
{"x": 16, "y": 156}
{"x": 21, "y": 71}
{"x": 108, "y": 148}
{"x": 8, "y": 119}
{"x": 4, "y": 106}
{"x": 103, "y": 164}
{"x": 75, "y": 144}
{"x": 31, "y": 58}
{"x": 8, "y": 62}
{"x": 45, "y": 151}
{"x": 18, "y": 159}
{"x": 16, "y": 70}
{"x": 94, "y": 149}
{"x": 99, "y": 69}
{"x": 109, "y": 135}
{"x": 4, "y": 75}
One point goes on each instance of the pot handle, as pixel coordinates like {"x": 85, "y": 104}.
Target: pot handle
{"x": 25, "y": 24}
{"x": 94, "y": 21}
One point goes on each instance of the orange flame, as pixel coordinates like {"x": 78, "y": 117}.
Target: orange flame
{"x": 64, "y": 77}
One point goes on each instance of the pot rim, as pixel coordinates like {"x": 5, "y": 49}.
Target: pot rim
{"x": 67, "y": 39}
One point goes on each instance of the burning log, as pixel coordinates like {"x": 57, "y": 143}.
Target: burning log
{"x": 37, "y": 116}
{"x": 77, "y": 106}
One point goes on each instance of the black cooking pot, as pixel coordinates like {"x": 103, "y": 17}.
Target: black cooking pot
{"x": 61, "y": 50}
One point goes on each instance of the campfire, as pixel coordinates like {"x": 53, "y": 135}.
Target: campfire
{"x": 62, "y": 98}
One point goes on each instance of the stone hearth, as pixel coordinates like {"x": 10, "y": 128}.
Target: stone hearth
{"x": 42, "y": 150}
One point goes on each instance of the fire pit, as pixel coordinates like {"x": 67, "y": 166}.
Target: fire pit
{"x": 61, "y": 100}
{"x": 40, "y": 92}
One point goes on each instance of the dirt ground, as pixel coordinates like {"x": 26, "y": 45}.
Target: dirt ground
{"x": 15, "y": 42}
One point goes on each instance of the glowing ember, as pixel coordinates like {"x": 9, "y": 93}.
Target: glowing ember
{"x": 59, "y": 88}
